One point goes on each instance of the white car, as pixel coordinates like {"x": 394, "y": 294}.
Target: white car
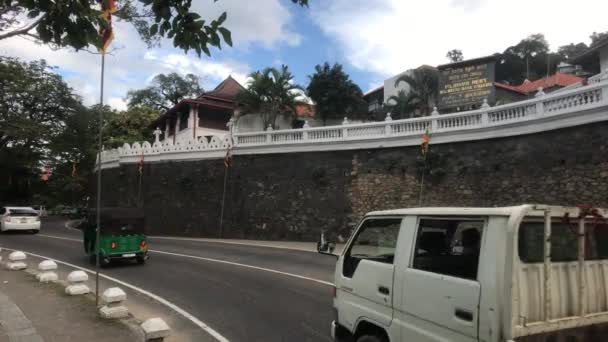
{"x": 19, "y": 218}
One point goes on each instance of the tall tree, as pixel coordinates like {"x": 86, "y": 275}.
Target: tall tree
{"x": 424, "y": 87}
{"x": 597, "y": 36}
{"x": 129, "y": 126}
{"x": 403, "y": 105}
{"x": 571, "y": 50}
{"x": 455, "y": 55}
{"x": 34, "y": 106}
{"x": 271, "y": 92}
{"x": 165, "y": 92}
{"x": 334, "y": 93}
{"x": 529, "y": 59}
{"x": 75, "y": 23}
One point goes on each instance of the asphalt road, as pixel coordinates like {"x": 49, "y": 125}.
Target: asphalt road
{"x": 241, "y": 303}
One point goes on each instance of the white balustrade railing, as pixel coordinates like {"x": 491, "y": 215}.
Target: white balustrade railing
{"x": 601, "y": 77}
{"x": 519, "y": 114}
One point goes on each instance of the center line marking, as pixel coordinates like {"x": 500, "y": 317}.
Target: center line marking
{"x": 218, "y": 261}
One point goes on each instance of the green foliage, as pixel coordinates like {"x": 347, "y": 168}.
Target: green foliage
{"x": 529, "y": 59}
{"x": 403, "y": 105}
{"x": 165, "y": 92}
{"x": 75, "y": 23}
{"x": 335, "y": 95}
{"x": 35, "y": 105}
{"x": 134, "y": 124}
{"x": 424, "y": 88}
{"x": 455, "y": 55}
{"x": 598, "y": 36}
{"x": 270, "y": 92}
{"x": 571, "y": 50}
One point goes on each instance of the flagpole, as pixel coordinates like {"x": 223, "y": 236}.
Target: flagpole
{"x": 422, "y": 182}
{"x": 223, "y": 201}
{"x": 99, "y": 148}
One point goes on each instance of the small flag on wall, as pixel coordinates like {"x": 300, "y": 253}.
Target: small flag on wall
{"x": 424, "y": 147}
{"x": 140, "y": 165}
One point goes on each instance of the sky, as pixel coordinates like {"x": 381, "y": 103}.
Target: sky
{"x": 372, "y": 39}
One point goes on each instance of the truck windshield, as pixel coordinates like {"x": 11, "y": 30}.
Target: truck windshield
{"x": 563, "y": 241}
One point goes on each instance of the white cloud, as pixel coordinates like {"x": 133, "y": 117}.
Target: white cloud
{"x": 132, "y": 66}
{"x": 266, "y": 22}
{"x": 390, "y": 36}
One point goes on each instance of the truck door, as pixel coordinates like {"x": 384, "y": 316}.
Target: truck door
{"x": 365, "y": 285}
{"x": 440, "y": 291}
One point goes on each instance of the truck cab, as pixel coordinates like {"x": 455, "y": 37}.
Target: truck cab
{"x": 524, "y": 273}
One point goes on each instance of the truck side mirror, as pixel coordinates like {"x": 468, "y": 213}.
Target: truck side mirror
{"x": 326, "y": 247}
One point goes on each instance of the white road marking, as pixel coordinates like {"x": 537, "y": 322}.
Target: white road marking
{"x": 246, "y": 266}
{"x": 161, "y": 300}
{"x": 218, "y": 261}
{"x": 301, "y": 249}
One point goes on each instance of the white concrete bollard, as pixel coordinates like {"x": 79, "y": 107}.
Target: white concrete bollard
{"x": 16, "y": 261}
{"x": 113, "y": 308}
{"x": 76, "y": 285}
{"x": 47, "y": 274}
{"x": 155, "y": 329}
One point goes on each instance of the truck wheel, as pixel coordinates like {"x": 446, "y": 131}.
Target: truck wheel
{"x": 370, "y": 338}
{"x": 141, "y": 260}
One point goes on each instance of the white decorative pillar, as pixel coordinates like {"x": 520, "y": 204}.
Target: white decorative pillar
{"x": 388, "y": 129}
{"x": 345, "y": 130}
{"x": 484, "y": 114}
{"x": 539, "y": 105}
{"x": 157, "y": 132}
{"x": 178, "y": 122}
{"x": 268, "y": 134}
{"x": 167, "y": 129}
{"x": 305, "y": 130}
{"x": 434, "y": 115}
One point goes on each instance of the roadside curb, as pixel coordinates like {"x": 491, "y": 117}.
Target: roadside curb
{"x": 14, "y": 322}
{"x": 186, "y": 315}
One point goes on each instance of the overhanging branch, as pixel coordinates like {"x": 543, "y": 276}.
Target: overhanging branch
{"x": 23, "y": 30}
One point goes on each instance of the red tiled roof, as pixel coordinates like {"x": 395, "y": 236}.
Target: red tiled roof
{"x": 305, "y": 111}
{"x": 559, "y": 80}
{"x": 228, "y": 89}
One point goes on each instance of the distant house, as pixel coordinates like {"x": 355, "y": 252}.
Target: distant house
{"x": 208, "y": 115}
{"x": 595, "y": 59}
{"x": 507, "y": 93}
{"x": 375, "y": 100}
{"x": 204, "y": 116}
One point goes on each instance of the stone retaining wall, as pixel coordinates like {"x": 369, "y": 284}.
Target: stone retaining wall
{"x": 293, "y": 196}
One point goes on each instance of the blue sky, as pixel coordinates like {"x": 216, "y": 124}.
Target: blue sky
{"x": 372, "y": 39}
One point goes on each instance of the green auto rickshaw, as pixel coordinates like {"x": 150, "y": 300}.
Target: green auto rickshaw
{"x": 122, "y": 235}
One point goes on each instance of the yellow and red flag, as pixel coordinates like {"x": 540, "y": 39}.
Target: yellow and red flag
{"x": 108, "y": 7}
{"x": 140, "y": 165}
{"x": 424, "y": 147}
{"x": 74, "y": 174}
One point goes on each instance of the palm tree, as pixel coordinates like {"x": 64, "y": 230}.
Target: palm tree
{"x": 404, "y": 105}
{"x": 270, "y": 92}
{"x": 424, "y": 87}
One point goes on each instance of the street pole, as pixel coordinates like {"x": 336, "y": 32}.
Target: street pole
{"x": 223, "y": 201}
{"x": 99, "y": 148}
{"x": 422, "y": 181}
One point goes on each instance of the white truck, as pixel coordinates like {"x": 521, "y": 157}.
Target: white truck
{"x": 529, "y": 273}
